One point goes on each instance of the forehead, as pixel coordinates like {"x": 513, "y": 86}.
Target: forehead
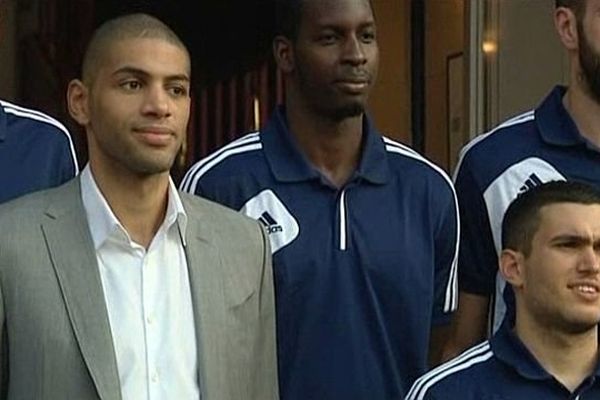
{"x": 336, "y": 12}
{"x": 569, "y": 218}
{"x": 152, "y": 55}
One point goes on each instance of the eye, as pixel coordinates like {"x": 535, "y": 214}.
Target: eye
{"x": 327, "y": 38}
{"x": 178, "y": 91}
{"x": 131, "y": 85}
{"x": 568, "y": 244}
{"x": 368, "y": 37}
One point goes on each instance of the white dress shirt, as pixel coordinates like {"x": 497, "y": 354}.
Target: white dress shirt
{"x": 147, "y": 294}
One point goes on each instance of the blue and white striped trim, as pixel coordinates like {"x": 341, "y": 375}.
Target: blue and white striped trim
{"x": 23, "y": 112}
{"x": 451, "y": 298}
{"x": 249, "y": 142}
{"x": 519, "y": 119}
{"x": 473, "y": 356}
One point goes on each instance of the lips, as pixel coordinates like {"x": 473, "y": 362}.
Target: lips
{"x": 155, "y": 135}
{"x": 587, "y": 289}
{"x": 354, "y": 86}
{"x": 155, "y": 129}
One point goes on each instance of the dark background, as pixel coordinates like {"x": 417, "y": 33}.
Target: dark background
{"x": 224, "y": 37}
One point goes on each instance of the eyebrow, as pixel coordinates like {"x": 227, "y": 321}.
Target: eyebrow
{"x": 141, "y": 72}
{"x": 574, "y": 238}
{"x": 336, "y": 26}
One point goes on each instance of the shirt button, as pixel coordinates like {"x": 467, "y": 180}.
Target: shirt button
{"x": 150, "y": 320}
{"x": 154, "y": 377}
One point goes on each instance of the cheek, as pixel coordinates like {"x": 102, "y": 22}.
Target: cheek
{"x": 183, "y": 115}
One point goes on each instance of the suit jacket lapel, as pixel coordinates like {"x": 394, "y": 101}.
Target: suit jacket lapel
{"x": 73, "y": 256}
{"x": 206, "y": 286}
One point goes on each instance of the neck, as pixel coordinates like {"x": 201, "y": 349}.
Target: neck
{"x": 332, "y": 146}
{"x": 584, "y": 109}
{"x": 569, "y": 357}
{"x": 139, "y": 203}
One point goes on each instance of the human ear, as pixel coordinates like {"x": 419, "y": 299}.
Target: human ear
{"x": 565, "y": 22}
{"x": 511, "y": 267}
{"x": 284, "y": 53}
{"x": 77, "y": 102}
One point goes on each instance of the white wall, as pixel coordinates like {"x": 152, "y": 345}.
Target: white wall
{"x": 530, "y": 58}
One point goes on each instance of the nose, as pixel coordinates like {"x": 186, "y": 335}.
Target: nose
{"x": 590, "y": 260}
{"x": 354, "y": 51}
{"x": 156, "y": 102}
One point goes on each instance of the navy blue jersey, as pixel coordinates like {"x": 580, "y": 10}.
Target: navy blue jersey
{"x": 535, "y": 147}
{"x": 499, "y": 369}
{"x": 361, "y": 272}
{"x": 36, "y": 152}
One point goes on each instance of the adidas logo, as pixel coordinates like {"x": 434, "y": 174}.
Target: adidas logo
{"x": 532, "y": 181}
{"x": 269, "y": 222}
{"x": 270, "y": 211}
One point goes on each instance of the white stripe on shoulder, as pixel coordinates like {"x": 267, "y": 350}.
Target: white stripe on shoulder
{"x": 39, "y": 116}
{"x": 519, "y": 119}
{"x": 473, "y": 356}
{"x": 451, "y": 297}
{"x": 249, "y": 142}
{"x": 400, "y": 145}
{"x": 15, "y": 107}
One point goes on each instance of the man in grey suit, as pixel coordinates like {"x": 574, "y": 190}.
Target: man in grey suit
{"x": 116, "y": 286}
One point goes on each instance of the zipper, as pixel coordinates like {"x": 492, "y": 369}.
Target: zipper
{"x": 343, "y": 233}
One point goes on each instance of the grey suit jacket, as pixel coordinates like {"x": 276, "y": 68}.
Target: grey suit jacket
{"x": 54, "y": 326}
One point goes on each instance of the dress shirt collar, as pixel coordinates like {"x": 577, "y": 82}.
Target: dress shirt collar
{"x": 102, "y": 221}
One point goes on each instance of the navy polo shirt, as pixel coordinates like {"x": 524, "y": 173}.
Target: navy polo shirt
{"x": 499, "y": 369}
{"x": 36, "y": 152}
{"x": 535, "y": 147}
{"x": 361, "y": 272}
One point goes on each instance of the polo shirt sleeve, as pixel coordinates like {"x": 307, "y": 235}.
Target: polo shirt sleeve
{"x": 446, "y": 249}
{"x": 478, "y": 260}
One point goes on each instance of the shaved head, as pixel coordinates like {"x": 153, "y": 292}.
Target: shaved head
{"x": 132, "y": 26}
{"x": 578, "y": 6}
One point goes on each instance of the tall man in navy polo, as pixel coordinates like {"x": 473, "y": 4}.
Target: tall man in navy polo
{"x": 559, "y": 140}
{"x": 551, "y": 258}
{"x": 363, "y": 229}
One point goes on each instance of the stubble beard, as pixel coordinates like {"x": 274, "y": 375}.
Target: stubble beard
{"x": 327, "y": 106}
{"x": 589, "y": 60}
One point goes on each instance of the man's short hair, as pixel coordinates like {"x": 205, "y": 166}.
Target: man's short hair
{"x": 288, "y": 15}
{"x": 578, "y": 6}
{"x": 522, "y": 218}
{"x": 131, "y": 26}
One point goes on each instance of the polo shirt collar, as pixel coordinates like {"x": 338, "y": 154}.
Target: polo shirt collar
{"x": 289, "y": 164}
{"x": 3, "y": 123}
{"x": 555, "y": 123}
{"x": 509, "y": 349}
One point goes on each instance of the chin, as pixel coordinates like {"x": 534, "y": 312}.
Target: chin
{"x": 152, "y": 168}
{"x": 581, "y": 324}
{"x": 349, "y": 111}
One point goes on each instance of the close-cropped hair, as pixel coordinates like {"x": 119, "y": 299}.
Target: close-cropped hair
{"x": 577, "y": 6}
{"x": 131, "y": 26}
{"x": 288, "y": 16}
{"x": 522, "y": 218}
